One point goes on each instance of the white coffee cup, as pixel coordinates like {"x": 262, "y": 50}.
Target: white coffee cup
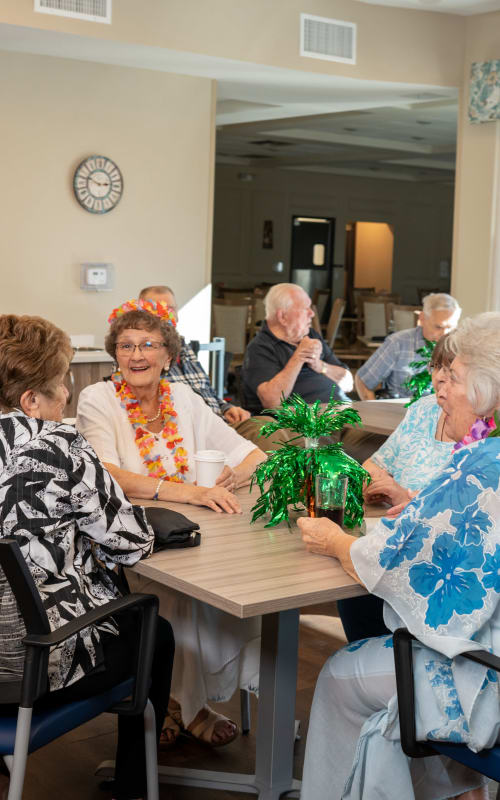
{"x": 209, "y": 465}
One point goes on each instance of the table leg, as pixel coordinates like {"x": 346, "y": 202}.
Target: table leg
{"x": 276, "y": 722}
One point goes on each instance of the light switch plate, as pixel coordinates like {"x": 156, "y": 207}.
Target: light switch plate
{"x": 96, "y": 277}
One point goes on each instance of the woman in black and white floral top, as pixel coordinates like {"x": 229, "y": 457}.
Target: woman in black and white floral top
{"x": 74, "y": 525}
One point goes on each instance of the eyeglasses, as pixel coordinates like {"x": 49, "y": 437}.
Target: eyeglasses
{"x": 128, "y": 349}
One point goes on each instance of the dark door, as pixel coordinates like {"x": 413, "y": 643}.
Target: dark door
{"x": 312, "y": 252}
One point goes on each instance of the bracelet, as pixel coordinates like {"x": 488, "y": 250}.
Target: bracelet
{"x": 157, "y": 490}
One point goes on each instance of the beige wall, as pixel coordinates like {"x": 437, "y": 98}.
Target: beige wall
{"x": 476, "y": 249}
{"x": 159, "y": 130}
{"x": 426, "y": 47}
{"x": 373, "y": 255}
{"x": 421, "y": 215}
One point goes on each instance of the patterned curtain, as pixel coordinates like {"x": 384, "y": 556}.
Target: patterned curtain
{"x": 484, "y": 99}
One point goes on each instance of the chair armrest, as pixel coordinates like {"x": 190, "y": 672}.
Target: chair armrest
{"x": 403, "y": 662}
{"x": 35, "y": 666}
{"x": 90, "y": 618}
{"x": 483, "y": 657}
{"x": 406, "y": 689}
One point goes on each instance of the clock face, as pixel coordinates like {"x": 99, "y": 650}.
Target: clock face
{"x": 98, "y": 184}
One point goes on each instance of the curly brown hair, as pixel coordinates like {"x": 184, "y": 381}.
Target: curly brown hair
{"x": 34, "y": 354}
{"x": 442, "y": 355}
{"x": 143, "y": 321}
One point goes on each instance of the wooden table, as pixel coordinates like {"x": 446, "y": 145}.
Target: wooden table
{"x": 248, "y": 570}
{"x": 381, "y": 416}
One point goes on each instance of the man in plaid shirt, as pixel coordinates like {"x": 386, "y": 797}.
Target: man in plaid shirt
{"x": 188, "y": 370}
{"x": 389, "y": 364}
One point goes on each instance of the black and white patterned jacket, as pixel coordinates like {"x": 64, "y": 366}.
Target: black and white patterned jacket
{"x": 74, "y": 525}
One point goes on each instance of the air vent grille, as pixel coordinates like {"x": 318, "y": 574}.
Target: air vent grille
{"x": 90, "y": 10}
{"x": 328, "y": 39}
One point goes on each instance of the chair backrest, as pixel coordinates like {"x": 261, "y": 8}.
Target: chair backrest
{"x": 258, "y": 313}
{"x": 217, "y": 349}
{"x": 315, "y": 323}
{"x": 15, "y": 572}
{"x": 320, "y": 299}
{"x": 376, "y": 315}
{"x": 336, "y": 315}
{"x": 403, "y": 317}
{"x": 231, "y": 323}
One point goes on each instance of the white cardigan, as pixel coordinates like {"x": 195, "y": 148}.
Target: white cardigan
{"x": 102, "y": 420}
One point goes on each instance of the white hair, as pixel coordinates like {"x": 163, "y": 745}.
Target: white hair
{"x": 439, "y": 302}
{"x": 279, "y": 298}
{"x": 476, "y": 342}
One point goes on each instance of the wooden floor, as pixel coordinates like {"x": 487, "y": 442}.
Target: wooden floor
{"x": 64, "y": 769}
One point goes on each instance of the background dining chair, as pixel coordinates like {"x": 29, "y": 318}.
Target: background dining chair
{"x": 403, "y": 317}
{"x": 320, "y": 299}
{"x": 336, "y": 314}
{"x": 231, "y": 321}
{"x": 487, "y": 762}
{"x": 32, "y": 729}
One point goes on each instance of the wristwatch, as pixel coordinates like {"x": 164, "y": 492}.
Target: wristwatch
{"x": 323, "y": 369}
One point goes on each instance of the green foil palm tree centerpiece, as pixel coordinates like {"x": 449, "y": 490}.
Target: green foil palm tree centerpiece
{"x": 287, "y": 477}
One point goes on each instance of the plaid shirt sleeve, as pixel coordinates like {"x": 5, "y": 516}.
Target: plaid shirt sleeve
{"x": 188, "y": 370}
{"x": 380, "y": 365}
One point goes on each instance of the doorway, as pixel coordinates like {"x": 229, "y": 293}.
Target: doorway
{"x": 312, "y": 252}
{"x": 369, "y": 254}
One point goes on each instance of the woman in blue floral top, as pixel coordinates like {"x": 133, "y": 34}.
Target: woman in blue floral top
{"x": 437, "y": 568}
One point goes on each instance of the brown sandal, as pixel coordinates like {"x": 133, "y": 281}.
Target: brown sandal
{"x": 204, "y": 729}
{"x": 172, "y": 725}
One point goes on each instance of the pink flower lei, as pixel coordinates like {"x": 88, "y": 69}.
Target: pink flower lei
{"x": 480, "y": 429}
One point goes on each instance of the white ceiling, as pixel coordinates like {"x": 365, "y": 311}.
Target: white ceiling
{"x": 464, "y": 7}
{"x": 324, "y": 122}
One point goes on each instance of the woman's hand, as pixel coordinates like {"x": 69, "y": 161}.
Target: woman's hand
{"x": 319, "y": 535}
{"x": 385, "y": 490}
{"x": 227, "y": 479}
{"x": 396, "y": 510}
{"x": 217, "y": 498}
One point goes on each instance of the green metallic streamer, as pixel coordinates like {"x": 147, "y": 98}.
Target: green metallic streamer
{"x": 419, "y": 383}
{"x": 282, "y": 479}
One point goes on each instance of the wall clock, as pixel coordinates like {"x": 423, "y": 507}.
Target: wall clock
{"x": 98, "y": 184}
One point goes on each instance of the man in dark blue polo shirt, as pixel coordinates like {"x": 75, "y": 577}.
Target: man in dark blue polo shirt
{"x": 288, "y": 356}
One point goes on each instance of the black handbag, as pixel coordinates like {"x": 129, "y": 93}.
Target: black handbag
{"x": 172, "y": 529}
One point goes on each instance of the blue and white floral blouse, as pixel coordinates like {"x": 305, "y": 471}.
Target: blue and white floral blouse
{"x": 437, "y": 566}
{"x": 412, "y": 454}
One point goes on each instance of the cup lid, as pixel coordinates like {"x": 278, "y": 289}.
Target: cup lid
{"x": 210, "y": 455}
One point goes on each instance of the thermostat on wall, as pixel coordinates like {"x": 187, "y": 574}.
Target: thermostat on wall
{"x": 96, "y": 277}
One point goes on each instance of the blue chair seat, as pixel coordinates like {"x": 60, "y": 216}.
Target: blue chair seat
{"x": 487, "y": 762}
{"x": 49, "y": 725}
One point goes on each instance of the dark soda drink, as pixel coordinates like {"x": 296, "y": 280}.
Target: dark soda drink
{"x": 335, "y": 514}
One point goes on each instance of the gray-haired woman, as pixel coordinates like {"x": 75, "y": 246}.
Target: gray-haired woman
{"x": 437, "y": 567}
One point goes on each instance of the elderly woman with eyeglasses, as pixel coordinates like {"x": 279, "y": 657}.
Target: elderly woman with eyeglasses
{"x": 419, "y": 447}
{"x": 146, "y": 432}
{"x": 436, "y": 565}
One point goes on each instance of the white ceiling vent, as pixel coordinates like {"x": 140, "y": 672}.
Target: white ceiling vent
{"x": 89, "y": 10}
{"x": 328, "y": 39}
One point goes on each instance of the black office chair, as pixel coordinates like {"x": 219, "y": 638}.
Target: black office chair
{"x": 487, "y": 762}
{"x": 31, "y": 730}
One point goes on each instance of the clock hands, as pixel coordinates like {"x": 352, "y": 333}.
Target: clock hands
{"x": 99, "y": 183}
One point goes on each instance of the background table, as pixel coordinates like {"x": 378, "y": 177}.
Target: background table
{"x": 248, "y": 570}
{"x": 381, "y": 416}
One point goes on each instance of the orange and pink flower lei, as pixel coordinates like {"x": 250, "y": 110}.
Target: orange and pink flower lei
{"x": 157, "y": 308}
{"x": 144, "y": 439}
